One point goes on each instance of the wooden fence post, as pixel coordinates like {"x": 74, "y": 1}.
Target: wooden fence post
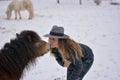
{"x": 80, "y": 2}
{"x": 58, "y": 1}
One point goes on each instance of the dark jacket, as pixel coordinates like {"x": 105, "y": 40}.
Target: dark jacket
{"x": 75, "y": 69}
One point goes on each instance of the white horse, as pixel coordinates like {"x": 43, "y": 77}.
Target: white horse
{"x": 17, "y": 6}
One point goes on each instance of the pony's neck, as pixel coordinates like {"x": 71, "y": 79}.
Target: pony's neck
{"x": 17, "y": 56}
{"x": 10, "y": 8}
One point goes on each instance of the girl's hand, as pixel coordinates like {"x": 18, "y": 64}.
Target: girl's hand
{"x": 67, "y": 63}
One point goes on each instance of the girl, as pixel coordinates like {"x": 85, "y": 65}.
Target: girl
{"x": 78, "y": 58}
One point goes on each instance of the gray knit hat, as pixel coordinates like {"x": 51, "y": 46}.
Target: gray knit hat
{"x": 57, "y": 32}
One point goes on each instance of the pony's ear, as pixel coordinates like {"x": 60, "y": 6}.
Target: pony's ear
{"x": 29, "y": 38}
{"x": 18, "y": 35}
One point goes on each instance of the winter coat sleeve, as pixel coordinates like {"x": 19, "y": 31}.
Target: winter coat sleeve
{"x": 58, "y": 56}
{"x": 76, "y": 70}
{"x": 60, "y": 61}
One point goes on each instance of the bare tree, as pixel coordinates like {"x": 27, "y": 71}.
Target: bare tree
{"x": 58, "y": 1}
{"x": 80, "y": 2}
{"x": 97, "y": 2}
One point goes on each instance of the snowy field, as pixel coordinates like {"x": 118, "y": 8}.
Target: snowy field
{"x": 96, "y": 26}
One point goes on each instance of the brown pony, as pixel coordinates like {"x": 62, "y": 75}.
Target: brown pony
{"x": 19, "y": 53}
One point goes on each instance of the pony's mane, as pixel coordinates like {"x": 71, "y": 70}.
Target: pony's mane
{"x": 14, "y": 57}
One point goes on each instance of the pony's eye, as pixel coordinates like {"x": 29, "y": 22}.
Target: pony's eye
{"x": 37, "y": 44}
{"x": 40, "y": 45}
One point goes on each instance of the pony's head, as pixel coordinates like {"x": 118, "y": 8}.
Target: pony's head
{"x": 38, "y": 46}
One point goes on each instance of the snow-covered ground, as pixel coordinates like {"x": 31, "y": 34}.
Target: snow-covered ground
{"x": 96, "y": 26}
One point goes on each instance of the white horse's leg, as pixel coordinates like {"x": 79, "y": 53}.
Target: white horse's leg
{"x": 19, "y": 14}
{"x": 30, "y": 16}
{"x": 31, "y": 13}
{"x": 15, "y": 14}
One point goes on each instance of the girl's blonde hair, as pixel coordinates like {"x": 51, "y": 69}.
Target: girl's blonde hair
{"x": 70, "y": 49}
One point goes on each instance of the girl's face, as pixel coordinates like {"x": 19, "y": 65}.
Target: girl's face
{"x": 53, "y": 42}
